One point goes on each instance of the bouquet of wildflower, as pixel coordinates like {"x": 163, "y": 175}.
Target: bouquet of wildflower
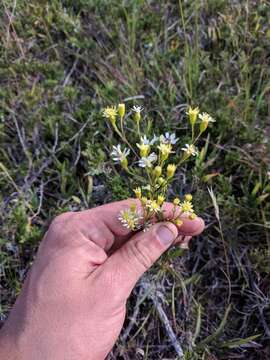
{"x": 148, "y": 161}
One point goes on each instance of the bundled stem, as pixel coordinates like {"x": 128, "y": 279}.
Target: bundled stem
{"x": 152, "y": 166}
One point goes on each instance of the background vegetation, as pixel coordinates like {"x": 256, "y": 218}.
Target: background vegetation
{"x": 61, "y": 63}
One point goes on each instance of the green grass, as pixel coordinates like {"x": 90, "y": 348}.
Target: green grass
{"x": 60, "y": 64}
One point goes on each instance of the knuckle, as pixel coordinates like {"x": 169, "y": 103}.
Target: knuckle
{"x": 63, "y": 218}
{"x": 62, "y": 224}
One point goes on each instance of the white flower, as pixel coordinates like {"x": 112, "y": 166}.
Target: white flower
{"x": 190, "y": 150}
{"x": 154, "y": 139}
{"x": 153, "y": 206}
{"x": 146, "y": 141}
{"x": 147, "y": 161}
{"x": 147, "y": 187}
{"x": 206, "y": 118}
{"x": 168, "y": 138}
{"x": 130, "y": 219}
{"x": 147, "y": 225}
{"x": 137, "y": 109}
{"x": 118, "y": 155}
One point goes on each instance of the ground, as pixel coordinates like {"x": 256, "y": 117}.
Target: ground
{"x": 61, "y": 63}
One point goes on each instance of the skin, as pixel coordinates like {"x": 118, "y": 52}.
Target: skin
{"x": 73, "y": 302}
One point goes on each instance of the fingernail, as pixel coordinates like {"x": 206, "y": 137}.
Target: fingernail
{"x": 165, "y": 235}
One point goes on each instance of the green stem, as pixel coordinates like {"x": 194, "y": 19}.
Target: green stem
{"x": 124, "y": 139}
{"x": 192, "y": 132}
{"x": 122, "y": 125}
{"x": 184, "y": 158}
{"x": 138, "y": 129}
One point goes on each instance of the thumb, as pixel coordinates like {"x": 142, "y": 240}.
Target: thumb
{"x": 138, "y": 254}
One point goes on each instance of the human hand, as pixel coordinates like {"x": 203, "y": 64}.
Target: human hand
{"x": 73, "y": 302}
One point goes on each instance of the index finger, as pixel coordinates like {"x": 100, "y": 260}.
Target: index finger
{"x": 109, "y": 215}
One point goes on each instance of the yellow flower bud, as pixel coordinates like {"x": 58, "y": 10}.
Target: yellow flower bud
{"x": 178, "y": 222}
{"x": 165, "y": 150}
{"x": 133, "y": 207}
{"x": 137, "y": 113}
{"x": 161, "y": 181}
{"x": 171, "y": 170}
{"x": 138, "y": 192}
{"x": 137, "y": 116}
{"x": 176, "y": 201}
{"x": 205, "y": 120}
{"x": 193, "y": 114}
{"x": 144, "y": 200}
{"x": 157, "y": 171}
{"x": 124, "y": 163}
{"x": 160, "y": 199}
{"x": 203, "y": 126}
{"x": 121, "y": 110}
{"x": 192, "y": 216}
{"x": 188, "y": 197}
{"x": 144, "y": 149}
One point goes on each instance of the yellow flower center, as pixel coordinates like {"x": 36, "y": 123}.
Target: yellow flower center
{"x": 187, "y": 206}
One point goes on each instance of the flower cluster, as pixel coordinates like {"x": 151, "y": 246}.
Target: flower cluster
{"x": 152, "y": 161}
